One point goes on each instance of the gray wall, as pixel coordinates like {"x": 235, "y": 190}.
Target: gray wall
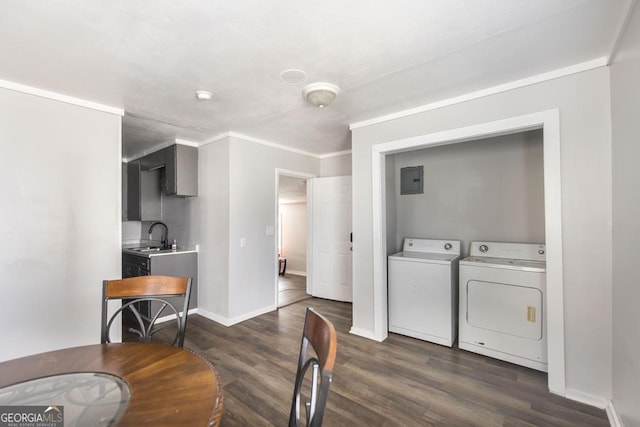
{"x": 210, "y": 213}
{"x": 59, "y": 221}
{"x": 253, "y": 269}
{"x": 336, "y": 165}
{"x": 490, "y": 189}
{"x": 176, "y": 214}
{"x": 238, "y": 200}
{"x": 585, "y": 135}
{"x": 625, "y": 109}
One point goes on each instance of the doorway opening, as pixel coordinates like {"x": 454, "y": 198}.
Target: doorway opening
{"x": 548, "y": 121}
{"x": 292, "y": 237}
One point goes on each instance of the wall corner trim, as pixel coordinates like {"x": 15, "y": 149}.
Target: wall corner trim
{"x": 5, "y": 84}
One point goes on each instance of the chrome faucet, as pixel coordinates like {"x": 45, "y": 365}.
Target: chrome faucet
{"x": 165, "y": 239}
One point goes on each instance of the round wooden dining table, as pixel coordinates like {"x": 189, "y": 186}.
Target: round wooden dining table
{"x": 161, "y": 385}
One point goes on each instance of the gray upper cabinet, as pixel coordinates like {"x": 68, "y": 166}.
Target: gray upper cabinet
{"x": 173, "y": 170}
{"x": 143, "y": 193}
{"x": 133, "y": 191}
{"x": 153, "y": 161}
{"x": 181, "y": 170}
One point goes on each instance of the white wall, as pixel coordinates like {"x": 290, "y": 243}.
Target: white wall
{"x": 60, "y": 221}
{"x": 294, "y": 236}
{"x": 625, "y": 109}
{"x": 490, "y": 189}
{"x": 583, "y": 101}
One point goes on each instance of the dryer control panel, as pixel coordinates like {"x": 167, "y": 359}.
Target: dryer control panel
{"x": 525, "y": 251}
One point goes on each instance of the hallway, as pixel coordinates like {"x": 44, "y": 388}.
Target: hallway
{"x": 291, "y": 288}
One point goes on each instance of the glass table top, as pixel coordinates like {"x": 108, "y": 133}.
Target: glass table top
{"x": 87, "y": 399}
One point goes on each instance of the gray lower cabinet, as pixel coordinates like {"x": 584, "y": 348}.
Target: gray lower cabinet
{"x": 179, "y": 264}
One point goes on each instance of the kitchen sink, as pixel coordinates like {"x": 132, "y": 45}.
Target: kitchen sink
{"x": 151, "y": 250}
{"x": 146, "y": 249}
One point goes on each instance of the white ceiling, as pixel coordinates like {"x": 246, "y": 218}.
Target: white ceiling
{"x": 149, "y": 56}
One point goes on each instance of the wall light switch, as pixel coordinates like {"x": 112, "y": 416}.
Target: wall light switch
{"x": 243, "y": 242}
{"x": 269, "y": 230}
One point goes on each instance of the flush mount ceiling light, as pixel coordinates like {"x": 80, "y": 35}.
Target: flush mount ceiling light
{"x": 320, "y": 94}
{"x": 204, "y": 95}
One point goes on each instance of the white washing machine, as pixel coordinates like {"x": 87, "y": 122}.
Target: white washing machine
{"x": 502, "y": 303}
{"x": 423, "y": 284}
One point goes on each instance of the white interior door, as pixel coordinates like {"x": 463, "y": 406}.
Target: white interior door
{"x": 331, "y": 238}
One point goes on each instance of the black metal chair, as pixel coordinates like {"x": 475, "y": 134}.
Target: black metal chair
{"x": 318, "y": 352}
{"x": 145, "y": 300}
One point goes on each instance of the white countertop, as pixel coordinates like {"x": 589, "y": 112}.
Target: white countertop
{"x": 183, "y": 248}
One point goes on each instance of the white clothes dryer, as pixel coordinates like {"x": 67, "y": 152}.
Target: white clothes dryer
{"x": 502, "y": 303}
{"x": 422, "y": 285}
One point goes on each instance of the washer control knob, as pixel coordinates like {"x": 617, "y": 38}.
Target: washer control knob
{"x": 448, "y": 246}
{"x": 410, "y": 244}
{"x": 483, "y": 248}
{"x": 541, "y": 251}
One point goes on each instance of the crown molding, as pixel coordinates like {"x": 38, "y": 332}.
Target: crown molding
{"x": 162, "y": 145}
{"x": 180, "y": 141}
{"x": 516, "y": 84}
{"x": 336, "y": 154}
{"x": 5, "y": 84}
{"x": 270, "y": 144}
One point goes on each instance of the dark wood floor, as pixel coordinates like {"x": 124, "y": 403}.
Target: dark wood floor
{"x": 291, "y": 288}
{"x": 401, "y": 382}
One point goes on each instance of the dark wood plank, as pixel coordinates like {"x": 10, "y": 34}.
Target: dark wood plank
{"x": 291, "y": 288}
{"x": 400, "y": 382}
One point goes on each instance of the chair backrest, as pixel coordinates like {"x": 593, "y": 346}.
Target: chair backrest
{"x": 149, "y": 304}
{"x": 318, "y": 352}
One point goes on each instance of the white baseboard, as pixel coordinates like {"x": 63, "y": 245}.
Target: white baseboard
{"x": 612, "y": 414}
{"x": 363, "y": 333}
{"x": 598, "y": 402}
{"x": 230, "y": 321}
{"x": 297, "y": 273}
{"x": 587, "y": 398}
{"x": 173, "y": 316}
